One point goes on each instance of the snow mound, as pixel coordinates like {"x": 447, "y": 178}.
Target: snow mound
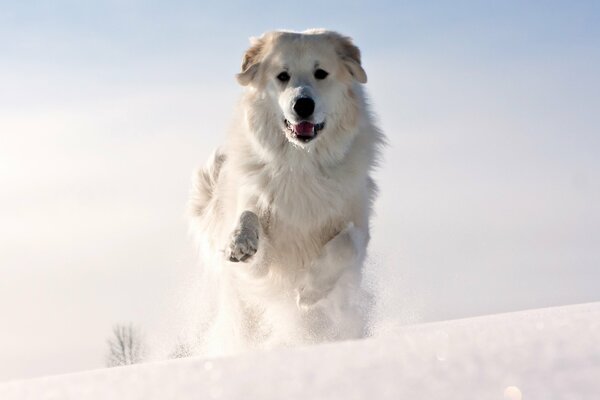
{"x": 549, "y": 353}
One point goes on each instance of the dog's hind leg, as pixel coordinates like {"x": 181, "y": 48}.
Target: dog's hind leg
{"x": 204, "y": 183}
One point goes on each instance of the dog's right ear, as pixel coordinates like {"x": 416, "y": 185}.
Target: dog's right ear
{"x": 251, "y": 61}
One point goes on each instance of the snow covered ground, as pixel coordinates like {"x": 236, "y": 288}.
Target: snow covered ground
{"x": 541, "y": 354}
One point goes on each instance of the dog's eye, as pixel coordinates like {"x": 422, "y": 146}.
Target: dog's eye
{"x": 321, "y": 74}
{"x": 283, "y": 77}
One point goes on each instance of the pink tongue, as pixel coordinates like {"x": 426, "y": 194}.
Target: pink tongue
{"x": 304, "y": 128}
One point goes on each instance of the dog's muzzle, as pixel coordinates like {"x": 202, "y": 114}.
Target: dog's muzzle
{"x": 304, "y": 131}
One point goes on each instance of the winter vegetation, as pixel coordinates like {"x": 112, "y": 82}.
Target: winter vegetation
{"x": 126, "y": 346}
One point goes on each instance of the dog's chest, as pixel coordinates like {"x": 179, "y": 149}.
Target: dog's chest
{"x": 303, "y": 198}
{"x": 304, "y": 210}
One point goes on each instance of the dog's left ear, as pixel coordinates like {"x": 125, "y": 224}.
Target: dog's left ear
{"x": 251, "y": 61}
{"x": 350, "y": 55}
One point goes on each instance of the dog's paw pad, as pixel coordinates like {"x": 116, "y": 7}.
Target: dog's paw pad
{"x": 243, "y": 246}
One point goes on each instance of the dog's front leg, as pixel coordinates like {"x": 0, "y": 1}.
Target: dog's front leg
{"x": 344, "y": 253}
{"x": 244, "y": 239}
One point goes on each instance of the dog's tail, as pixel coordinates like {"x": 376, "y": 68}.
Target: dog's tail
{"x": 204, "y": 182}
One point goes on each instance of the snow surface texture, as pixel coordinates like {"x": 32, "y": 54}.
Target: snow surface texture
{"x": 549, "y": 353}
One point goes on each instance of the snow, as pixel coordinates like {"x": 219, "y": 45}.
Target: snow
{"x": 549, "y": 353}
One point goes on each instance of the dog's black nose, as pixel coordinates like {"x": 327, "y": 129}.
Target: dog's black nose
{"x": 304, "y": 107}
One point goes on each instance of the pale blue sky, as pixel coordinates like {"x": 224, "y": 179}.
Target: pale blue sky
{"x": 489, "y": 188}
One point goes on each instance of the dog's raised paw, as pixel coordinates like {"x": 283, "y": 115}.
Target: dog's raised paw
{"x": 244, "y": 245}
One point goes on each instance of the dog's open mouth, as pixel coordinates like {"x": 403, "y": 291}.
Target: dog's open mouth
{"x": 304, "y": 131}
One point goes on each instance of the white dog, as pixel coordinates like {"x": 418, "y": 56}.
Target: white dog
{"x": 281, "y": 211}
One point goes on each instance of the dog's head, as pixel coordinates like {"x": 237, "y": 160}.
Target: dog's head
{"x": 304, "y": 82}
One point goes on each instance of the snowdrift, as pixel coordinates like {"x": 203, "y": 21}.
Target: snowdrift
{"x": 549, "y": 353}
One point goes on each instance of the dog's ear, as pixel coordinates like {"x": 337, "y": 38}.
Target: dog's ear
{"x": 251, "y": 61}
{"x": 350, "y": 55}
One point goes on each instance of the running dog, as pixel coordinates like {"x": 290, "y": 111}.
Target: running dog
{"x": 281, "y": 211}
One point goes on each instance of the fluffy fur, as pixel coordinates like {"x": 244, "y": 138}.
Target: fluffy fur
{"x": 294, "y": 215}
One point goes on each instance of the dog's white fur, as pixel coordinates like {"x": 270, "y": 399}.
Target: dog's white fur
{"x": 296, "y": 214}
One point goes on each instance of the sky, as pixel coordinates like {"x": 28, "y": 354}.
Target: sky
{"x": 489, "y": 188}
